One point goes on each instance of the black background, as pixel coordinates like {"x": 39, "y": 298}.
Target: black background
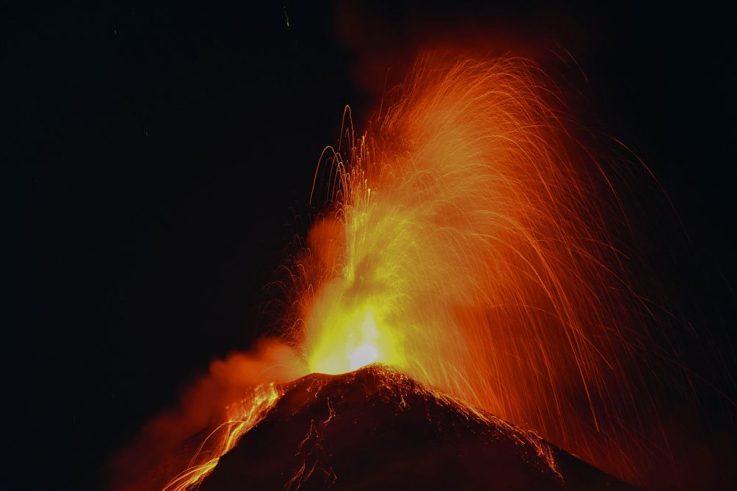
{"x": 159, "y": 160}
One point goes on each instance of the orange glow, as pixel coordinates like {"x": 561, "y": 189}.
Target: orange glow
{"x": 467, "y": 245}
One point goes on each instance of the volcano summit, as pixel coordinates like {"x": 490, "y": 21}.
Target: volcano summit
{"x": 378, "y": 429}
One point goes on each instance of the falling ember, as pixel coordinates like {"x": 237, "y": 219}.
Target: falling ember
{"x": 468, "y": 244}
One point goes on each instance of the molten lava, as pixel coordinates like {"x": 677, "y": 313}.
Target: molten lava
{"x": 467, "y": 243}
{"x": 241, "y": 417}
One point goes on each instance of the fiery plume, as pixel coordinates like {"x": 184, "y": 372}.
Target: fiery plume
{"x": 467, "y": 242}
{"x": 468, "y": 245}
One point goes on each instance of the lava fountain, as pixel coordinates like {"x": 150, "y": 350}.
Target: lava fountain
{"x": 469, "y": 246}
{"x": 468, "y": 243}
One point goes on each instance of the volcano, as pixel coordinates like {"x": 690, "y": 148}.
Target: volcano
{"x": 375, "y": 428}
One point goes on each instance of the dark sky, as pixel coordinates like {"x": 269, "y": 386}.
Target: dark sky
{"x": 159, "y": 160}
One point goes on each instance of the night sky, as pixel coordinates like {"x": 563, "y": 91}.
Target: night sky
{"x": 159, "y": 159}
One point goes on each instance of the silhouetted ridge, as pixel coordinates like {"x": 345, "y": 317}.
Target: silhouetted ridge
{"x": 378, "y": 429}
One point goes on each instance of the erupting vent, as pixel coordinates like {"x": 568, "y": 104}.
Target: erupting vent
{"x": 465, "y": 242}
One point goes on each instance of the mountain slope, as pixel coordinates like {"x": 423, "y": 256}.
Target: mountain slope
{"x": 377, "y": 429}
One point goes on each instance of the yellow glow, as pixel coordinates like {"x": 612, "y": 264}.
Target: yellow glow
{"x": 351, "y": 340}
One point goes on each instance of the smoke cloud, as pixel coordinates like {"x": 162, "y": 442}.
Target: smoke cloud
{"x": 165, "y": 445}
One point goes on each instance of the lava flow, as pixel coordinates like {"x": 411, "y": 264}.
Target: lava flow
{"x": 467, "y": 243}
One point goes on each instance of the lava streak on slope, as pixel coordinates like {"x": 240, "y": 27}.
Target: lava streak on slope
{"x": 241, "y": 417}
